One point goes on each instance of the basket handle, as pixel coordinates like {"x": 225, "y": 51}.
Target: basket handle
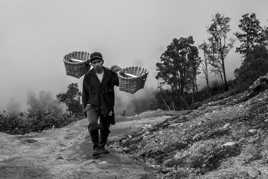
{"x": 76, "y": 60}
{"x": 128, "y": 74}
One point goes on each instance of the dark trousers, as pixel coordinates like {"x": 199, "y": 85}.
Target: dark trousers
{"x": 98, "y": 127}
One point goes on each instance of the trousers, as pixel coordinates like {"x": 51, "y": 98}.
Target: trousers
{"x": 98, "y": 127}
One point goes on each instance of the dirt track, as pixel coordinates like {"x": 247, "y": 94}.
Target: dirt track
{"x": 66, "y": 153}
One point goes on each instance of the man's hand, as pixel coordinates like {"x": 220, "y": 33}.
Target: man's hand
{"x": 110, "y": 113}
{"x": 87, "y": 107}
{"x": 116, "y": 68}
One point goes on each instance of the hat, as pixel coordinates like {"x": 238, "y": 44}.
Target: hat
{"x": 95, "y": 55}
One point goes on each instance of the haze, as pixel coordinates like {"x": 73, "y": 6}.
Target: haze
{"x": 35, "y": 35}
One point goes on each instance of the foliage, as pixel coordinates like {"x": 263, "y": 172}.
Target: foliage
{"x": 179, "y": 64}
{"x": 25, "y": 123}
{"x": 253, "y": 39}
{"x": 252, "y": 34}
{"x": 253, "y": 66}
{"x": 167, "y": 100}
{"x": 72, "y": 99}
{"x": 43, "y": 112}
{"x": 219, "y": 44}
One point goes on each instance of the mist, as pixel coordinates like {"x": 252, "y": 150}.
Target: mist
{"x": 35, "y": 35}
{"x": 44, "y": 102}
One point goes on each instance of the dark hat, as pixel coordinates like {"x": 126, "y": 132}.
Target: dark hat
{"x": 95, "y": 55}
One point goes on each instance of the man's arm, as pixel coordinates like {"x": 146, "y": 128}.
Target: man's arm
{"x": 115, "y": 70}
{"x": 84, "y": 93}
{"x": 115, "y": 79}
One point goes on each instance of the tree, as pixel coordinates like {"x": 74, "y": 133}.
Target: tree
{"x": 72, "y": 99}
{"x": 253, "y": 40}
{"x": 252, "y": 34}
{"x": 194, "y": 63}
{"x": 254, "y": 65}
{"x": 220, "y": 44}
{"x": 179, "y": 65}
{"x": 205, "y": 62}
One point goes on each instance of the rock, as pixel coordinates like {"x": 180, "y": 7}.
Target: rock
{"x": 229, "y": 144}
{"x": 59, "y": 157}
{"x": 226, "y": 125}
{"x": 204, "y": 155}
{"x": 252, "y": 131}
{"x": 258, "y": 86}
{"x": 174, "y": 125}
{"x": 181, "y": 173}
{"x": 170, "y": 162}
{"x": 156, "y": 166}
{"x": 234, "y": 172}
{"x": 262, "y": 80}
{"x": 103, "y": 163}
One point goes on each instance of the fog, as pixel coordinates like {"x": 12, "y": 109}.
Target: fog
{"x": 35, "y": 35}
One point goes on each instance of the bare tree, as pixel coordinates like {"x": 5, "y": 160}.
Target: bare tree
{"x": 220, "y": 43}
{"x": 205, "y": 62}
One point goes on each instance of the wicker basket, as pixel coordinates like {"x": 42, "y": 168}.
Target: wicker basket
{"x": 76, "y": 63}
{"x": 132, "y": 79}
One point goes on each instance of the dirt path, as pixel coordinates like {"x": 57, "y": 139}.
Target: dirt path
{"x": 66, "y": 153}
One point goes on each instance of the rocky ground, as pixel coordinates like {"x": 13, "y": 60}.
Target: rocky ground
{"x": 65, "y": 153}
{"x": 221, "y": 139}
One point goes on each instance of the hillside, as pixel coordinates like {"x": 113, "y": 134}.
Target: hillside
{"x": 225, "y": 138}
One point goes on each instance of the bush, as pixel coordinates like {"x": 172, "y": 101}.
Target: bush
{"x": 166, "y": 100}
{"x": 254, "y": 65}
{"x": 43, "y": 112}
{"x": 21, "y": 124}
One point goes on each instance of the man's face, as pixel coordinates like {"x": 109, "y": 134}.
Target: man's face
{"x": 97, "y": 65}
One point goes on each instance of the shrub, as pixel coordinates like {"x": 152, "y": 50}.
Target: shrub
{"x": 43, "y": 112}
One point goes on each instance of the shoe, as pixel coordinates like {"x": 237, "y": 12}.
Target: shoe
{"x": 103, "y": 150}
{"x": 94, "y": 135}
{"x": 103, "y": 140}
{"x": 96, "y": 152}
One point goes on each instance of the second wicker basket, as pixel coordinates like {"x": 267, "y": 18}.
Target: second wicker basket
{"x": 132, "y": 79}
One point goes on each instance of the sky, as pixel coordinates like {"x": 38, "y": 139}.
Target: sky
{"x": 35, "y": 35}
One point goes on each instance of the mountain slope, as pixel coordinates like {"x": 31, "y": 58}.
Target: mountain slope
{"x": 226, "y": 138}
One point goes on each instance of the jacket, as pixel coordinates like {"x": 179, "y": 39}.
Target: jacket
{"x": 100, "y": 94}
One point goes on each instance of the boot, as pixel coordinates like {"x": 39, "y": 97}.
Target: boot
{"x": 94, "y": 134}
{"x": 103, "y": 150}
{"x": 97, "y": 152}
{"x": 103, "y": 141}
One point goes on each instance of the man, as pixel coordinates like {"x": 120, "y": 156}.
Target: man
{"x": 98, "y": 101}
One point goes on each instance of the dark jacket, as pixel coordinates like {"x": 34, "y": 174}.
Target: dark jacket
{"x": 99, "y": 95}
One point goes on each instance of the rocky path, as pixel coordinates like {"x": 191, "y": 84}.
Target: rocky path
{"x": 66, "y": 153}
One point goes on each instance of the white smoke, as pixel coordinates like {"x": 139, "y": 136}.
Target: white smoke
{"x": 44, "y": 103}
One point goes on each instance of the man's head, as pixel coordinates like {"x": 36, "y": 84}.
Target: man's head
{"x": 96, "y": 61}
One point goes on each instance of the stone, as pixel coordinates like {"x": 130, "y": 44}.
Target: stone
{"x": 228, "y": 144}
{"x": 226, "y": 125}
{"x": 252, "y": 131}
